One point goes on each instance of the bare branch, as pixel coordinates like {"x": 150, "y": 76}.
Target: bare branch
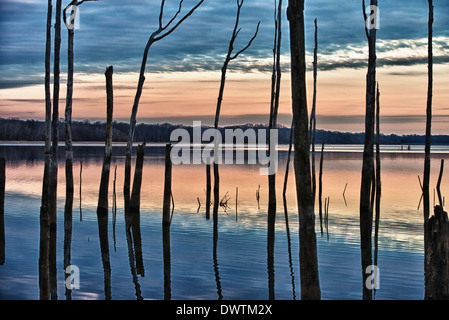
{"x": 155, "y": 38}
{"x": 248, "y": 45}
{"x": 365, "y": 18}
{"x": 172, "y": 19}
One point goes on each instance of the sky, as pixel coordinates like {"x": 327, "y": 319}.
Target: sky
{"x": 183, "y": 70}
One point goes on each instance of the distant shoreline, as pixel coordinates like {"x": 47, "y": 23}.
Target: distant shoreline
{"x": 17, "y": 130}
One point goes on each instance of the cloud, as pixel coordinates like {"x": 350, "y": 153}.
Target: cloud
{"x": 113, "y": 32}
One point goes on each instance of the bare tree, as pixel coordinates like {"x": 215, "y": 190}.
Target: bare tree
{"x": 366, "y": 209}
{"x": 378, "y": 179}
{"x": 312, "y": 125}
{"x": 426, "y": 177}
{"x": 68, "y": 130}
{"x": 229, "y": 57}
{"x": 44, "y": 281}
{"x": 161, "y": 32}
{"x": 274, "y": 106}
{"x": 310, "y": 285}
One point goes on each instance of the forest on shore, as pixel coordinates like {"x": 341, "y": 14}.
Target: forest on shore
{"x": 85, "y": 130}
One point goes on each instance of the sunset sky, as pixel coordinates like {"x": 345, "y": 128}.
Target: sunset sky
{"x": 183, "y": 71}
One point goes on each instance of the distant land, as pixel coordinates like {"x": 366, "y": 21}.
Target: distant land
{"x": 33, "y": 130}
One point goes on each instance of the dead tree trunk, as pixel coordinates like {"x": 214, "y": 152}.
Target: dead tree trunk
{"x": 229, "y": 58}
{"x": 134, "y": 209}
{"x": 2, "y": 210}
{"x": 275, "y": 93}
{"x": 312, "y": 125}
{"x": 103, "y": 208}
{"x": 426, "y": 177}
{"x": 378, "y": 179}
{"x": 159, "y": 34}
{"x": 208, "y": 190}
{"x": 53, "y": 181}
{"x": 167, "y": 186}
{"x": 437, "y": 259}
{"x": 440, "y": 176}
{"x": 310, "y": 286}
{"x": 366, "y": 210}
{"x": 81, "y": 183}
{"x": 320, "y": 189}
{"x": 44, "y": 280}
{"x": 69, "y": 154}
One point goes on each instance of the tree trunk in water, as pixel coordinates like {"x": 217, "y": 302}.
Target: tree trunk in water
{"x": 208, "y": 190}
{"x": 2, "y": 210}
{"x": 378, "y": 178}
{"x": 69, "y": 156}
{"x": 157, "y": 35}
{"x": 167, "y": 261}
{"x": 134, "y": 209}
{"x": 320, "y": 189}
{"x": 312, "y": 126}
{"x": 275, "y": 93}
{"x": 437, "y": 259}
{"x": 44, "y": 281}
{"x": 368, "y": 174}
{"x": 426, "y": 177}
{"x": 310, "y": 286}
{"x": 103, "y": 208}
{"x": 167, "y": 186}
{"x": 53, "y": 182}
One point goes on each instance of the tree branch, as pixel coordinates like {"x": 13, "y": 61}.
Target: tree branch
{"x": 155, "y": 38}
{"x": 248, "y": 45}
{"x": 365, "y": 17}
{"x": 172, "y": 19}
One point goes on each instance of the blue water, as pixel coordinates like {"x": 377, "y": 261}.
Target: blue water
{"x": 240, "y": 268}
{"x": 241, "y": 256}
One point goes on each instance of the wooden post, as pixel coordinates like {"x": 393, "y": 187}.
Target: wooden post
{"x": 167, "y": 186}
{"x": 437, "y": 260}
{"x": 2, "y": 210}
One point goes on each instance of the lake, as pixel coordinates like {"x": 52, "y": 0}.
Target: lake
{"x": 234, "y": 262}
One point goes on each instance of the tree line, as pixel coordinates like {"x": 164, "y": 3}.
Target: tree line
{"x": 85, "y": 130}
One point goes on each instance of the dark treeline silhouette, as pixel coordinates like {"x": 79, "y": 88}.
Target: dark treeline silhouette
{"x": 34, "y": 130}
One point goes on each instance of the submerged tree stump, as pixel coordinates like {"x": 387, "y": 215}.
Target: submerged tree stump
{"x": 167, "y": 186}
{"x": 437, "y": 259}
{"x": 2, "y": 210}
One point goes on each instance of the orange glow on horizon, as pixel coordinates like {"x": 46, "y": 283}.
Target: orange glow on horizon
{"x": 184, "y": 97}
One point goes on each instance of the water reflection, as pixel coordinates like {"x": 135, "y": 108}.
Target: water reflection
{"x": 399, "y": 233}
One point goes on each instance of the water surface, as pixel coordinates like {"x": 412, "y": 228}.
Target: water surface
{"x": 234, "y": 262}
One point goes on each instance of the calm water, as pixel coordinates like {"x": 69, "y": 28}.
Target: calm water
{"x": 239, "y": 267}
